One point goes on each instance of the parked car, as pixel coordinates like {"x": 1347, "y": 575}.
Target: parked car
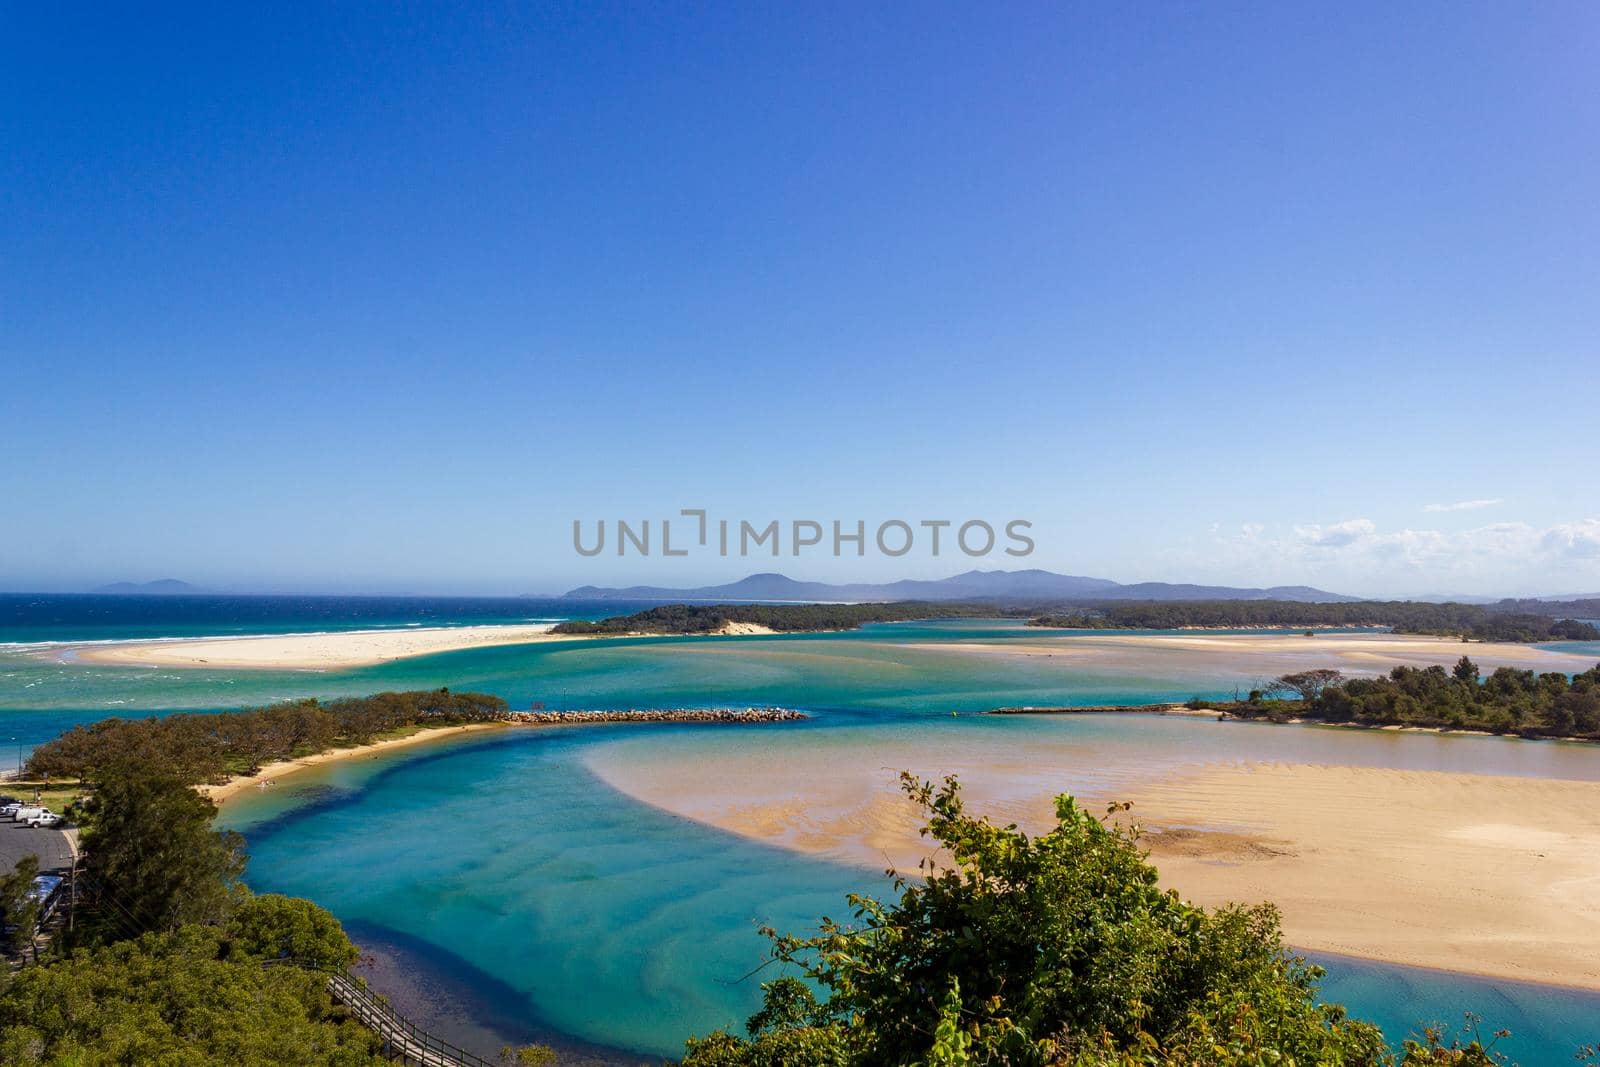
{"x": 9, "y": 800}
{"x": 28, "y": 811}
{"x": 45, "y": 820}
{"x": 9, "y": 810}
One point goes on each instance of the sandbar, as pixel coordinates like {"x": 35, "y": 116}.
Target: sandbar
{"x": 1266, "y": 655}
{"x": 1481, "y": 874}
{"x": 333, "y": 651}
{"x": 303, "y": 652}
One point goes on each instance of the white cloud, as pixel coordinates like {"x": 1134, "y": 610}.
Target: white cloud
{"x": 1356, "y": 555}
{"x": 1573, "y": 540}
{"x": 1463, "y": 505}
{"x": 1336, "y": 535}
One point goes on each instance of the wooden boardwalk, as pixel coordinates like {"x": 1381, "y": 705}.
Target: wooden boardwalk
{"x": 401, "y": 1039}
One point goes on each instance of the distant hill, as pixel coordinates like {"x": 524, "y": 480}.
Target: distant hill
{"x": 160, "y": 587}
{"x": 972, "y": 585}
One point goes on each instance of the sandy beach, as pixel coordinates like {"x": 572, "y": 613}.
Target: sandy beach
{"x": 273, "y": 771}
{"x": 1489, "y": 875}
{"x": 333, "y": 651}
{"x": 305, "y": 652}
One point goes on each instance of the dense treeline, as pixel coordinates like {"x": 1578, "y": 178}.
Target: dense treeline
{"x": 1517, "y": 621}
{"x": 709, "y": 618}
{"x": 170, "y": 959}
{"x": 1561, "y": 609}
{"x": 1475, "y": 621}
{"x": 208, "y": 747}
{"x": 1507, "y": 701}
{"x": 197, "y": 994}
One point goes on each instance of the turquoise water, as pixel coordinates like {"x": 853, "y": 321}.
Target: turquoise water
{"x": 611, "y": 921}
{"x": 628, "y": 927}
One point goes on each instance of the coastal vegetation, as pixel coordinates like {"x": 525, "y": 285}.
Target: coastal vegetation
{"x": 1515, "y": 621}
{"x": 1508, "y": 701}
{"x": 198, "y": 748}
{"x": 784, "y": 618}
{"x": 168, "y": 959}
{"x": 197, "y": 994}
{"x": 1059, "y": 949}
{"x": 1468, "y": 621}
{"x": 151, "y": 853}
{"x": 171, "y": 959}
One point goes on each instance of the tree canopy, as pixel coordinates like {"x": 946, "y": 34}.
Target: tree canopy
{"x": 179, "y": 997}
{"x": 1058, "y": 951}
{"x": 709, "y": 618}
{"x": 1508, "y": 701}
{"x": 1515, "y": 621}
{"x": 209, "y": 747}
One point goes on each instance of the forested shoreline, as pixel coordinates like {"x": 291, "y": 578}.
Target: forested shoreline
{"x": 1508, "y": 701}
{"x": 1468, "y": 621}
{"x": 784, "y": 618}
{"x": 209, "y": 747}
{"x": 1512, "y": 621}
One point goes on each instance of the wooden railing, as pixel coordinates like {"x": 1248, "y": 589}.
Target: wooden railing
{"x": 402, "y": 1039}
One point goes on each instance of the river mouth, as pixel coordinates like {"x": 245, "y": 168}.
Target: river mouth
{"x": 600, "y": 923}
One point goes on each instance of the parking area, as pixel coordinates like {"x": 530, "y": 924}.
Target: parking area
{"x": 17, "y": 841}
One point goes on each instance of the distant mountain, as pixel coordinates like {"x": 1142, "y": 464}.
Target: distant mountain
{"x": 160, "y": 587}
{"x": 972, "y": 585}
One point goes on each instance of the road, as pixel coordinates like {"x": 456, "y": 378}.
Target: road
{"x": 51, "y": 846}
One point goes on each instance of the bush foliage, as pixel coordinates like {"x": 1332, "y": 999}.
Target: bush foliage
{"x": 1056, "y": 949}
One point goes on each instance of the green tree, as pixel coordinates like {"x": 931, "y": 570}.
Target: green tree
{"x": 174, "y": 999}
{"x": 1307, "y": 685}
{"x": 18, "y": 907}
{"x": 152, "y": 856}
{"x": 273, "y": 927}
{"x": 1057, "y": 949}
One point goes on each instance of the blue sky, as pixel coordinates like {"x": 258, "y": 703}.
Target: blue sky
{"x": 382, "y": 300}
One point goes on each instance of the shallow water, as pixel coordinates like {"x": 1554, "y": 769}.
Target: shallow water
{"x": 590, "y": 914}
{"x": 628, "y": 927}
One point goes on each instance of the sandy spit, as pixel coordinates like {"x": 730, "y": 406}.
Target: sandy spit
{"x": 271, "y": 772}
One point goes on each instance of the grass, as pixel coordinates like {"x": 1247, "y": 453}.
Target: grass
{"x": 55, "y": 795}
